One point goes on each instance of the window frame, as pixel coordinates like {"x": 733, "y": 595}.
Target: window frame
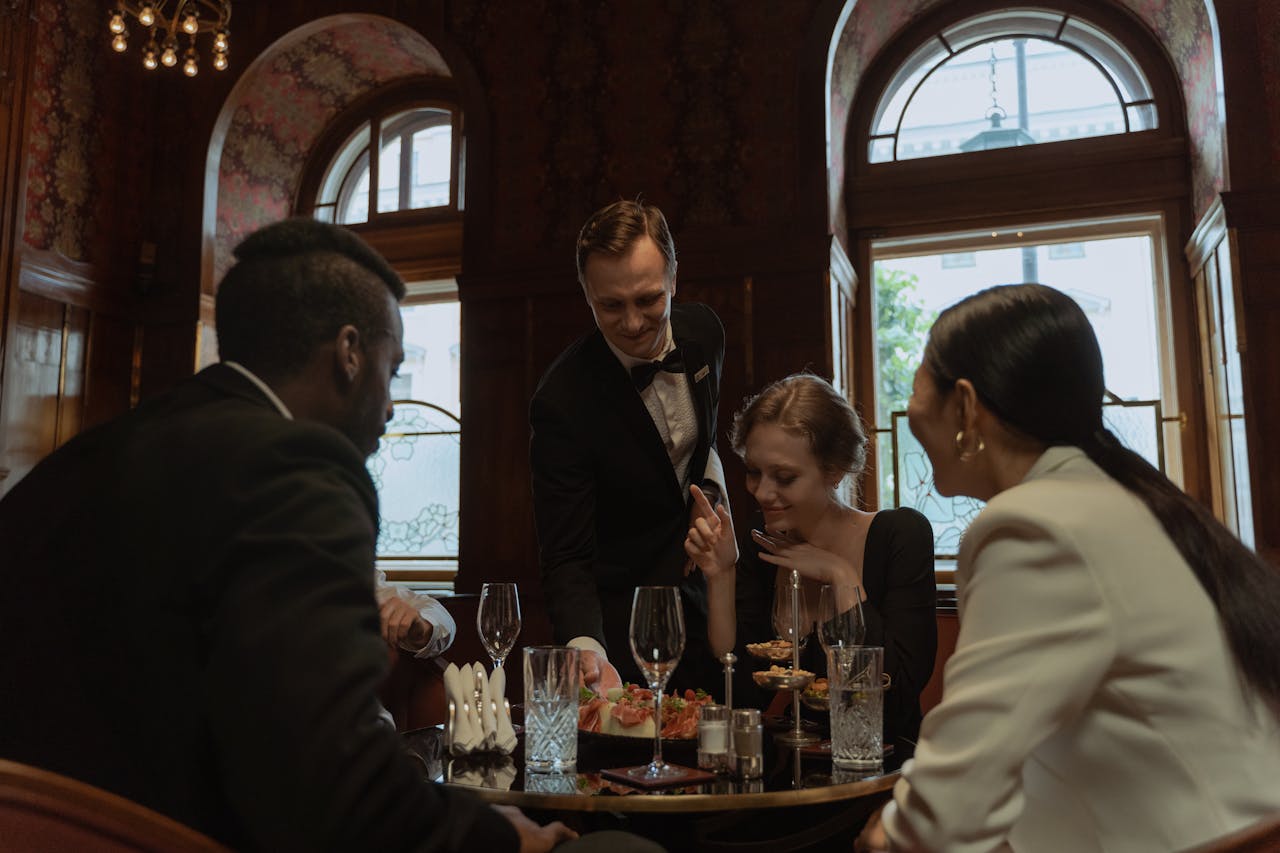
{"x": 1138, "y": 174}
{"x": 1018, "y": 26}
{"x": 1135, "y": 43}
{"x": 373, "y": 108}
{"x": 424, "y": 246}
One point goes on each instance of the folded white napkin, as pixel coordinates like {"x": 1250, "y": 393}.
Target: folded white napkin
{"x": 488, "y": 720}
{"x": 505, "y": 736}
{"x": 479, "y": 715}
{"x": 461, "y": 735}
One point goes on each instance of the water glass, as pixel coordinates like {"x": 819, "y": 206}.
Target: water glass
{"x": 551, "y": 684}
{"x": 857, "y": 706}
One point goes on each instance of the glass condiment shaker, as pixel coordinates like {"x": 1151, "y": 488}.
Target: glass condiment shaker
{"x": 713, "y": 738}
{"x": 748, "y": 743}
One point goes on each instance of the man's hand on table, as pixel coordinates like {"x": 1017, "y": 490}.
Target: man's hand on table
{"x": 534, "y": 838}
{"x": 597, "y": 673}
{"x": 402, "y": 624}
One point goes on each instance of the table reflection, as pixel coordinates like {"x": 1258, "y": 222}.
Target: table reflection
{"x": 792, "y": 775}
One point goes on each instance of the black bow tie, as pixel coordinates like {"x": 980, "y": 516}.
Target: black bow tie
{"x": 642, "y": 374}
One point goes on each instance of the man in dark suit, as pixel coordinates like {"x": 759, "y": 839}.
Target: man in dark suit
{"x": 623, "y": 422}
{"x": 188, "y": 615}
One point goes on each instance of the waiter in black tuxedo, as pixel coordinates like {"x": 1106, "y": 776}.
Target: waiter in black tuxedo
{"x": 623, "y": 423}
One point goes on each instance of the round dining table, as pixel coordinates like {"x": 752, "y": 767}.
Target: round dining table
{"x": 800, "y": 802}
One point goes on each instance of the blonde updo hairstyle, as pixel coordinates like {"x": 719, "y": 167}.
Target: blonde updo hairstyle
{"x": 806, "y": 405}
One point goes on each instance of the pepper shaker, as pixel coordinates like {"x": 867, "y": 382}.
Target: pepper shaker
{"x": 748, "y": 743}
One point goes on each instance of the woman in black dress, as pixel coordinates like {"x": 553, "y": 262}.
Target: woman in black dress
{"x": 800, "y": 439}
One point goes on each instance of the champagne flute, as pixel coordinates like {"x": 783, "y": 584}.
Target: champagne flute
{"x": 840, "y": 619}
{"x": 498, "y": 619}
{"x": 657, "y": 641}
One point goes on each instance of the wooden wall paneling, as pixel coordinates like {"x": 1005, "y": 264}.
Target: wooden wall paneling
{"x": 29, "y": 409}
{"x": 1255, "y": 229}
{"x": 16, "y": 47}
{"x": 787, "y": 329}
{"x": 495, "y": 494}
{"x": 108, "y": 368}
{"x": 75, "y": 333}
{"x": 168, "y": 355}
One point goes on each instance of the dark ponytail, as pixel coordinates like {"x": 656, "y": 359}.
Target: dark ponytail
{"x": 1034, "y": 361}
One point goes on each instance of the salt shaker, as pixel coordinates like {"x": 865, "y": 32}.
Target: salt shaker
{"x": 713, "y": 737}
{"x": 748, "y": 743}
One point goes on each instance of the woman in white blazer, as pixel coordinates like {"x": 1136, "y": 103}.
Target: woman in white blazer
{"x": 1116, "y": 681}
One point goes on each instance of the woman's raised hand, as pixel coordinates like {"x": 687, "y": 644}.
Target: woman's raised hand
{"x": 711, "y": 542}
{"x": 811, "y": 562}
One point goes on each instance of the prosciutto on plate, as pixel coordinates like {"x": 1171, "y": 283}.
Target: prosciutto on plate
{"x": 628, "y": 711}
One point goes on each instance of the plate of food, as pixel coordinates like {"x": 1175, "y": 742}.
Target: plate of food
{"x": 817, "y": 695}
{"x": 628, "y": 712}
{"x": 782, "y": 678}
{"x": 773, "y": 650}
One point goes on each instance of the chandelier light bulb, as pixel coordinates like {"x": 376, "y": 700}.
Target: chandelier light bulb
{"x": 190, "y": 24}
{"x": 220, "y": 61}
{"x": 189, "y": 65}
{"x": 120, "y": 44}
{"x": 149, "y": 60}
{"x": 170, "y": 56}
{"x": 117, "y": 23}
{"x": 220, "y": 41}
{"x": 147, "y": 15}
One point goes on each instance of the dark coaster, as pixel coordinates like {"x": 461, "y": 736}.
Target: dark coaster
{"x": 691, "y": 776}
{"x": 821, "y": 749}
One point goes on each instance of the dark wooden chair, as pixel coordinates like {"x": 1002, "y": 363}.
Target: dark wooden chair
{"x": 1262, "y": 837}
{"x": 44, "y": 812}
{"x": 414, "y": 691}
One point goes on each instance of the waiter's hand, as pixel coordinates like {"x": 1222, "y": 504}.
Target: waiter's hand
{"x": 597, "y": 673}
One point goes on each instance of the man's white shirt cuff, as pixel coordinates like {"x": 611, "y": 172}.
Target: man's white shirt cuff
{"x": 588, "y": 644}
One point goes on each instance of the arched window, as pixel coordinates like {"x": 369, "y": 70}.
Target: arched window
{"x": 1010, "y": 78}
{"x": 415, "y": 220}
{"x": 414, "y": 171}
{"x": 995, "y": 146}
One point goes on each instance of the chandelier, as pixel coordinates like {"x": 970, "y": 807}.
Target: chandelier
{"x": 166, "y": 22}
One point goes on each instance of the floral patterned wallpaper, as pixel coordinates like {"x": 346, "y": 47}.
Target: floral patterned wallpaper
{"x": 1182, "y": 26}
{"x": 1269, "y": 48}
{"x": 286, "y": 100}
{"x": 65, "y": 116}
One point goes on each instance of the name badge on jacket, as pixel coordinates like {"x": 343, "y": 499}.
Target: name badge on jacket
{"x": 701, "y": 374}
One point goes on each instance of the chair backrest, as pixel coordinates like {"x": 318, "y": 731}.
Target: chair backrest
{"x": 44, "y": 812}
{"x": 1261, "y": 837}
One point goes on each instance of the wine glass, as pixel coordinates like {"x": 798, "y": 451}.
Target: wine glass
{"x": 498, "y": 619}
{"x": 840, "y": 618}
{"x": 784, "y": 624}
{"x": 657, "y": 641}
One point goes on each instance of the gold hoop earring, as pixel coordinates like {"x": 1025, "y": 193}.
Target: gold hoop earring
{"x": 968, "y": 455}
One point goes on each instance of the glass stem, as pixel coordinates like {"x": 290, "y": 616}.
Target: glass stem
{"x": 657, "y": 727}
{"x": 795, "y": 648}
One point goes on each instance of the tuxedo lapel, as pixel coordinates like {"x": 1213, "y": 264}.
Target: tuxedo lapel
{"x": 698, "y": 373}
{"x": 618, "y": 393}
